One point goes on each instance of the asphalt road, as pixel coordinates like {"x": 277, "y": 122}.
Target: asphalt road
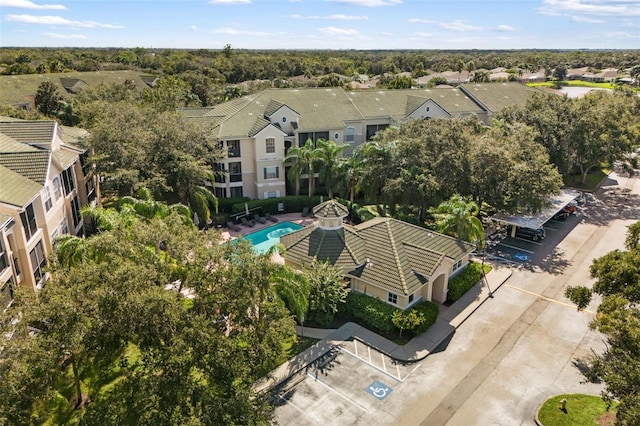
{"x": 516, "y": 350}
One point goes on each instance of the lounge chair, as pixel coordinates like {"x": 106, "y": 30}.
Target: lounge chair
{"x": 249, "y": 223}
{"x": 259, "y": 218}
{"x": 305, "y": 211}
{"x": 233, "y": 226}
{"x": 271, "y": 218}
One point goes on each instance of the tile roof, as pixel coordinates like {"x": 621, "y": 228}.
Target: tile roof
{"x": 330, "y": 209}
{"x": 30, "y": 131}
{"x": 65, "y": 157}
{"x": 16, "y": 189}
{"x": 33, "y": 165}
{"x": 400, "y": 256}
{"x": 342, "y": 248}
{"x": 4, "y": 218}
{"x": 9, "y": 144}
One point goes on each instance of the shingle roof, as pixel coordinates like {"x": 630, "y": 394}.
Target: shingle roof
{"x": 33, "y": 165}
{"x": 496, "y": 96}
{"x": 29, "y": 131}
{"x": 4, "y": 218}
{"x": 399, "y": 255}
{"x": 9, "y": 144}
{"x": 16, "y": 189}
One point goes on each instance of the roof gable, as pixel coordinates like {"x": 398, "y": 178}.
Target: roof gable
{"x": 32, "y": 132}
{"x": 32, "y": 165}
{"x": 16, "y": 189}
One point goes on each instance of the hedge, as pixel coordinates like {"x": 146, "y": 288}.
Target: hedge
{"x": 292, "y": 204}
{"x": 377, "y": 315}
{"x": 464, "y": 281}
{"x": 374, "y": 313}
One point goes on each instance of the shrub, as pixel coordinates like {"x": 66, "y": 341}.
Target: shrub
{"x": 374, "y": 314}
{"x": 428, "y": 313}
{"x": 464, "y": 281}
{"x": 292, "y": 204}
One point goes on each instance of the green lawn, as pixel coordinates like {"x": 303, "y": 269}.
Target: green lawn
{"x": 583, "y": 410}
{"x": 593, "y": 179}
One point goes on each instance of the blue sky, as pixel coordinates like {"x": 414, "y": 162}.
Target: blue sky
{"x": 323, "y": 24}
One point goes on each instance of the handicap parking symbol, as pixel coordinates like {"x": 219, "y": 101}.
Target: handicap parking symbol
{"x": 521, "y": 257}
{"x": 379, "y": 390}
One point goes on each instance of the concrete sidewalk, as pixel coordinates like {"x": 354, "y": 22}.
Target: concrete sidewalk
{"x": 416, "y": 349}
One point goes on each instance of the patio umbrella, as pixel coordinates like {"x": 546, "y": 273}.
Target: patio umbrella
{"x": 246, "y": 209}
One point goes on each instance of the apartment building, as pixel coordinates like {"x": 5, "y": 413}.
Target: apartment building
{"x": 257, "y": 130}
{"x": 44, "y": 182}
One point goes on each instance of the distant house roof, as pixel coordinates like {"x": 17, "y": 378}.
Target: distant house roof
{"x": 385, "y": 252}
{"x": 72, "y": 85}
{"x": 496, "y": 96}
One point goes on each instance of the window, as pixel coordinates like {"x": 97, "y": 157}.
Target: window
{"x": 272, "y": 194}
{"x": 375, "y": 128}
{"x": 220, "y": 192}
{"x": 314, "y": 136}
{"x": 38, "y": 261}
{"x": 219, "y": 174}
{"x": 350, "y": 135}
{"x": 235, "y": 172}
{"x": 4, "y": 260}
{"x": 54, "y": 235}
{"x": 67, "y": 181}
{"x": 271, "y": 145}
{"x": 411, "y": 298}
{"x": 29, "y": 224}
{"x": 47, "y": 198}
{"x": 392, "y": 298}
{"x": 91, "y": 190}
{"x": 284, "y": 119}
{"x": 56, "y": 188}
{"x": 75, "y": 212}
{"x": 271, "y": 172}
{"x": 6, "y": 294}
{"x": 233, "y": 148}
{"x": 457, "y": 265}
{"x": 236, "y": 191}
{"x": 64, "y": 226}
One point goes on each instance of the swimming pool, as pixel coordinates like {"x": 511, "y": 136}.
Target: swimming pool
{"x": 266, "y": 238}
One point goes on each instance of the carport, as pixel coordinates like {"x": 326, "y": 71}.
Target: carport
{"x": 535, "y": 221}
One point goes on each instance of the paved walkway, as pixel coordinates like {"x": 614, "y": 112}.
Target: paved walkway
{"x": 416, "y": 349}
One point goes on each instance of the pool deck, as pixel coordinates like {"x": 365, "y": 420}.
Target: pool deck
{"x": 228, "y": 234}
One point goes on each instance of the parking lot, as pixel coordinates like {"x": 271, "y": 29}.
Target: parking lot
{"x": 501, "y": 247}
{"x": 351, "y": 381}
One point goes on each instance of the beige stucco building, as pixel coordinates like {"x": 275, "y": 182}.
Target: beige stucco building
{"x": 257, "y": 130}
{"x": 43, "y": 186}
{"x": 391, "y": 260}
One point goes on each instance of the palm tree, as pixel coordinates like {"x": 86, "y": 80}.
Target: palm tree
{"x": 303, "y": 160}
{"x": 329, "y": 156}
{"x": 350, "y": 171}
{"x": 293, "y": 288}
{"x": 459, "y": 218}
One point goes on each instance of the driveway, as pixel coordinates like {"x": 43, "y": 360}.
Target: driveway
{"x": 515, "y": 351}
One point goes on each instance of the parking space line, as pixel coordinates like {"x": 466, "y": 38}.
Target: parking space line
{"x": 548, "y": 299}
{"x": 346, "y": 398}
{"x": 384, "y": 367}
{"x": 515, "y": 247}
{"x": 291, "y": 403}
{"x": 373, "y": 365}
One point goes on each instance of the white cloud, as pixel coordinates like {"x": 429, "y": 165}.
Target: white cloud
{"x": 587, "y": 20}
{"x": 621, "y": 35}
{"x": 505, "y": 28}
{"x": 234, "y": 32}
{"x": 58, "y": 21}
{"x": 229, "y": 1}
{"x": 25, "y": 4}
{"x": 590, "y": 7}
{"x": 459, "y": 26}
{"x": 369, "y": 3}
{"x": 338, "y": 31}
{"x": 67, "y": 37}
{"x": 420, "y": 21}
{"x": 332, "y": 17}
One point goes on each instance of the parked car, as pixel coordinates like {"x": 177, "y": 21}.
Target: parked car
{"x": 536, "y": 234}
